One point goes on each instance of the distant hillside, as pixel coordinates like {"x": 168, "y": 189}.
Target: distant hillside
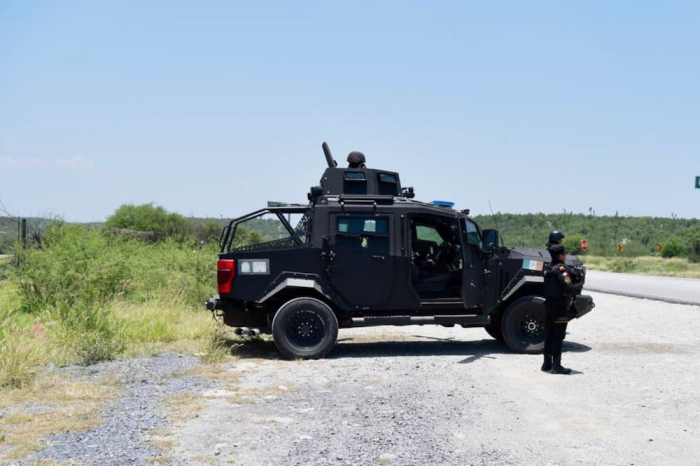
{"x": 639, "y": 235}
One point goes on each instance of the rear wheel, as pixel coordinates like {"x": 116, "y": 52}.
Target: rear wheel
{"x": 523, "y": 325}
{"x": 305, "y": 328}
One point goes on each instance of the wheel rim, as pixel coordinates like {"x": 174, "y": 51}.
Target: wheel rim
{"x": 306, "y": 329}
{"x": 532, "y": 328}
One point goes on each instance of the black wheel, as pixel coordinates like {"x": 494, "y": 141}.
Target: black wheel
{"x": 494, "y": 328}
{"x": 305, "y": 328}
{"x": 523, "y": 325}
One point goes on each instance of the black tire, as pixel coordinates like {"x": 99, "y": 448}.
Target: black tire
{"x": 494, "y": 328}
{"x": 523, "y": 325}
{"x": 305, "y": 328}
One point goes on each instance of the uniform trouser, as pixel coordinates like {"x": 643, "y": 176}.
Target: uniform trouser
{"x": 556, "y": 331}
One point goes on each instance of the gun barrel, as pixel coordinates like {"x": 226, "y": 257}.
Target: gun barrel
{"x": 329, "y": 156}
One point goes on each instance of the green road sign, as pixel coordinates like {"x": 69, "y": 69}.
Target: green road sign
{"x": 697, "y": 182}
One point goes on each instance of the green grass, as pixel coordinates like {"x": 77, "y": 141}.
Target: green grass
{"x": 646, "y": 265}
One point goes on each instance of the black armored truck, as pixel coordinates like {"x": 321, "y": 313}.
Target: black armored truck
{"x": 366, "y": 253}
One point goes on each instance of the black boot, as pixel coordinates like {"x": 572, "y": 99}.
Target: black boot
{"x": 547, "y": 364}
{"x": 557, "y": 368}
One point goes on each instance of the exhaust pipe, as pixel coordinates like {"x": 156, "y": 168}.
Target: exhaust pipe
{"x": 253, "y": 332}
{"x": 240, "y": 331}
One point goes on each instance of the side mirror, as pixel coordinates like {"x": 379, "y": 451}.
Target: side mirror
{"x": 490, "y": 240}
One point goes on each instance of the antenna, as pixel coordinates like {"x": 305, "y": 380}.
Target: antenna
{"x": 497, "y": 226}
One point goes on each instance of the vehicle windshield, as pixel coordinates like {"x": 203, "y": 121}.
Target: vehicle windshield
{"x": 472, "y": 233}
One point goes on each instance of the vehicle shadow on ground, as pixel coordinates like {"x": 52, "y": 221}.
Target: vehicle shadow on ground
{"x": 473, "y": 349}
{"x": 349, "y": 347}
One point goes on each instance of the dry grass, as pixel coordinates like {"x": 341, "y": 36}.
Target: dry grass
{"x": 181, "y": 408}
{"x": 645, "y": 265}
{"x": 47, "y": 406}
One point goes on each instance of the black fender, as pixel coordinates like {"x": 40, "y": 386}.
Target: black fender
{"x": 308, "y": 281}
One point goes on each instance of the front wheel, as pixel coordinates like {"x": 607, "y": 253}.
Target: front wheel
{"x": 305, "y": 328}
{"x": 523, "y": 325}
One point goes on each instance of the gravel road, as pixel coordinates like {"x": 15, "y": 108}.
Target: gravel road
{"x": 439, "y": 396}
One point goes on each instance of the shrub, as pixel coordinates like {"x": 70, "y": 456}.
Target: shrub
{"x": 81, "y": 274}
{"x": 148, "y": 217}
{"x": 693, "y": 244}
{"x": 572, "y": 244}
{"x": 635, "y": 249}
{"x": 673, "y": 248}
{"x": 78, "y": 266}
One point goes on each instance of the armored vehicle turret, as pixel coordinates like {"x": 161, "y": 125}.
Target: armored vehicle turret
{"x": 366, "y": 253}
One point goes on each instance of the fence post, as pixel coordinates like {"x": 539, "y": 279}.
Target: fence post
{"x": 24, "y": 233}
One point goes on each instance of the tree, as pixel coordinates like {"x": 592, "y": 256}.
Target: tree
{"x": 148, "y": 217}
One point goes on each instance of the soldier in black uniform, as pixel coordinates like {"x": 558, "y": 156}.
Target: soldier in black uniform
{"x": 559, "y": 292}
{"x": 555, "y": 237}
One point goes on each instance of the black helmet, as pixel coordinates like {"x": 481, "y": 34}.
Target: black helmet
{"x": 556, "y": 250}
{"x": 356, "y": 160}
{"x": 555, "y": 236}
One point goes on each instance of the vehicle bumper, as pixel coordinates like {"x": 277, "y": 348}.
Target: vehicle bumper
{"x": 583, "y": 304}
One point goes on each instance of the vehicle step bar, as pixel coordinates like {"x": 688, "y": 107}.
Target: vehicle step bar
{"x": 463, "y": 320}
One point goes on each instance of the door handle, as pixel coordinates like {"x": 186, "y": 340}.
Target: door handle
{"x": 379, "y": 258}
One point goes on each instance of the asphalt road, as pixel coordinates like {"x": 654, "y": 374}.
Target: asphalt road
{"x": 668, "y": 289}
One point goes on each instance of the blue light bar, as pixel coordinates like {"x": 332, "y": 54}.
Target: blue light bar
{"x": 447, "y": 204}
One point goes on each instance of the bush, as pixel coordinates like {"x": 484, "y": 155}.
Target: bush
{"x": 149, "y": 217}
{"x": 78, "y": 266}
{"x": 673, "y": 248}
{"x": 634, "y": 249}
{"x": 573, "y": 244}
{"x": 693, "y": 244}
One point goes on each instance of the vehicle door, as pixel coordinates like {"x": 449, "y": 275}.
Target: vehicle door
{"x": 474, "y": 265}
{"x": 361, "y": 269}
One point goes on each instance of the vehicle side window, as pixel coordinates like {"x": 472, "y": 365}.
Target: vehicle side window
{"x": 473, "y": 234}
{"x": 355, "y": 226}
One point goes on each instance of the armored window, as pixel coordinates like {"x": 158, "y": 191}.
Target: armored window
{"x": 355, "y": 226}
{"x": 388, "y": 178}
{"x": 355, "y": 176}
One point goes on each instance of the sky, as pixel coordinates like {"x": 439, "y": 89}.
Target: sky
{"x": 213, "y": 108}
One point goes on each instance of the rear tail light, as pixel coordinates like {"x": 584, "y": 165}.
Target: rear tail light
{"x": 225, "y": 273}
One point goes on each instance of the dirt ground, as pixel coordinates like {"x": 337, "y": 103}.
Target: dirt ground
{"x": 432, "y": 395}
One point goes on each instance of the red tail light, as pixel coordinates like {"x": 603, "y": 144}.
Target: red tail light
{"x": 225, "y": 273}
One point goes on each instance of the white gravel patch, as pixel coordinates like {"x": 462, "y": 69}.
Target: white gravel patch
{"x": 452, "y": 396}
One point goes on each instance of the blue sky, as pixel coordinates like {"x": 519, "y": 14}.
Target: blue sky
{"x": 214, "y": 108}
